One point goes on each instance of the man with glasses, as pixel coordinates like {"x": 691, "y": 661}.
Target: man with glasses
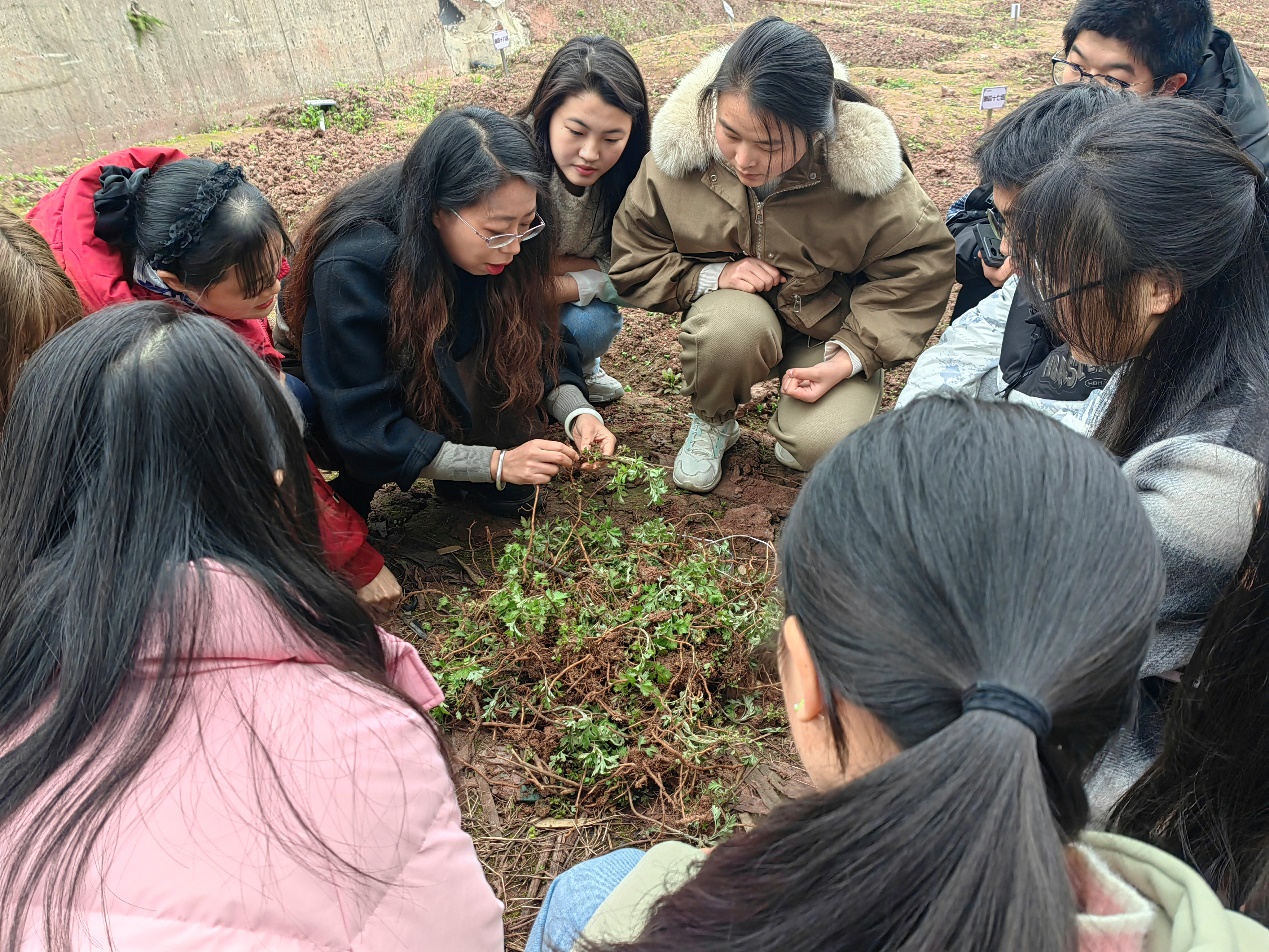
{"x": 1147, "y": 47}
{"x": 1001, "y": 347}
{"x": 1166, "y": 48}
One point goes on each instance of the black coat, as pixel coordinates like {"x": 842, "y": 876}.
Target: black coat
{"x": 1226, "y": 84}
{"x": 1035, "y": 362}
{"x": 348, "y": 367}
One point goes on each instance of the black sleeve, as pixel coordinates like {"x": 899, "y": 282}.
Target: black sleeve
{"x": 347, "y": 366}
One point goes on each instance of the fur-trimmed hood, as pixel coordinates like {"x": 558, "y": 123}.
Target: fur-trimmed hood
{"x": 863, "y": 156}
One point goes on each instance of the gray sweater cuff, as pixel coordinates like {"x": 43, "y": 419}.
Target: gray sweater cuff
{"x": 464, "y": 464}
{"x": 563, "y": 400}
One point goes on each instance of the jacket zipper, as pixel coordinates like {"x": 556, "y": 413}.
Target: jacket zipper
{"x": 759, "y": 218}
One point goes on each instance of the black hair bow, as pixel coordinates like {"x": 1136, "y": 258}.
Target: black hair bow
{"x": 115, "y": 203}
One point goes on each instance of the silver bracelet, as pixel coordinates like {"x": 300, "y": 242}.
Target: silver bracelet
{"x": 502, "y": 455}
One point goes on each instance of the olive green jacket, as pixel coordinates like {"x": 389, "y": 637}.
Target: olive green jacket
{"x": 1169, "y": 908}
{"x": 867, "y": 259}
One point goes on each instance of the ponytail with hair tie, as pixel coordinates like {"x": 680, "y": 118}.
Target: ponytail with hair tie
{"x": 115, "y": 203}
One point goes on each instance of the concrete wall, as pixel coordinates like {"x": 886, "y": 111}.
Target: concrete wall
{"x": 75, "y": 81}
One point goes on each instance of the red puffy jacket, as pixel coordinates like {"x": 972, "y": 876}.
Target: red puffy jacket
{"x": 66, "y": 219}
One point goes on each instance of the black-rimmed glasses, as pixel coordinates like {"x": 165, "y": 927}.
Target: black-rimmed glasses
{"x": 1081, "y": 75}
{"x": 1069, "y": 291}
{"x": 501, "y": 241}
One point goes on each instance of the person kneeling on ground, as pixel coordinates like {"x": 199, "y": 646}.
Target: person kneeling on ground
{"x": 945, "y": 722}
{"x": 777, "y": 210}
{"x": 590, "y": 117}
{"x": 150, "y": 224}
{"x": 422, "y": 300}
{"x": 205, "y": 743}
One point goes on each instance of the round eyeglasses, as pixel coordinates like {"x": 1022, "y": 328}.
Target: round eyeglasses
{"x": 501, "y": 241}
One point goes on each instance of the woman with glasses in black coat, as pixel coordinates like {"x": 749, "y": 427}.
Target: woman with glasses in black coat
{"x": 421, "y": 301}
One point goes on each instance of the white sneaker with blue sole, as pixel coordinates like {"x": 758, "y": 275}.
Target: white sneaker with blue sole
{"x": 699, "y": 466}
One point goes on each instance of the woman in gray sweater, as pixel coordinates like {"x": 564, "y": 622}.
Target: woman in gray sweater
{"x": 590, "y": 117}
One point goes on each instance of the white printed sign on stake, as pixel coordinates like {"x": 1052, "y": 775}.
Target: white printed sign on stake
{"x": 993, "y": 98}
{"x": 731, "y": 14}
{"x": 502, "y": 39}
{"x": 1015, "y": 11}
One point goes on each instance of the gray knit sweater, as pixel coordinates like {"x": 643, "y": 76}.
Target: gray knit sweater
{"x": 1200, "y": 483}
{"x": 575, "y": 217}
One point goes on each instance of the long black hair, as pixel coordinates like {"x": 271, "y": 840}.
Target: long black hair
{"x": 910, "y": 591}
{"x": 1155, "y": 189}
{"x": 785, "y": 73}
{"x": 461, "y": 158}
{"x": 141, "y": 445}
{"x": 1204, "y": 798}
{"x": 196, "y": 218}
{"x": 599, "y": 65}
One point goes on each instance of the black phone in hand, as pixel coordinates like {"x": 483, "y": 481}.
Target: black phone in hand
{"x": 989, "y": 245}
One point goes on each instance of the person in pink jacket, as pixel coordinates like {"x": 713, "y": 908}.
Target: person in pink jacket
{"x": 205, "y": 743}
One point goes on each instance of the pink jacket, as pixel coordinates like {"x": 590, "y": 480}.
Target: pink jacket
{"x": 194, "y": 861}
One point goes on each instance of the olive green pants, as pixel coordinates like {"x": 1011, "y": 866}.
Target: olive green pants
{"x": 732, "y": 340}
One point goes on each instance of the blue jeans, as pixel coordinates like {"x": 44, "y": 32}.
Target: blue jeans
{"x": 305, "y": 400}
{"x": 595, "y": 327}
{"x": 574, "y": 897}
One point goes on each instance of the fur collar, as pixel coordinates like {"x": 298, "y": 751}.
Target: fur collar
{"x": 863, "y": 157}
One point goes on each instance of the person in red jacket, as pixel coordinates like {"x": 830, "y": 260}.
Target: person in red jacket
{"x": 154, "y": 224}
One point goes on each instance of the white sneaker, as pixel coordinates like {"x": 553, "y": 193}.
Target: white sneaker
{"x": 784, "y": 456}
{"x": 699, "y": 466}
{"x": 601, "y": 387}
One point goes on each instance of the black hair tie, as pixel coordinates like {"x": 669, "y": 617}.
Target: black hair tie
{"x": 1029, "y": 711}
{"x": 115, "y": 203}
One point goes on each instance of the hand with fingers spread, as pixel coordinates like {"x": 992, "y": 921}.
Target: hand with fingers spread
{"x": 808, "y": 384}
{"x": 749, "y": 274}
{"x": 589, "y": 433}
{"x": 534, "y": 463}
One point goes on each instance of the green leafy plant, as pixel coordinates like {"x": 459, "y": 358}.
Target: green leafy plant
{"x": 671, "y": 381}
{"x": 419, "y": 107}
{"x": 627, "y": 652}
{"x": 629, "y": 471}
{"x": 591, "y": 743}
{"x": 142, "y": 23}
{"x": 353, "y": 115}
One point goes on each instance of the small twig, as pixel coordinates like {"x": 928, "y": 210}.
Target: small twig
{"x": 476, "y": 578}
{"x": 542, "y": 771}
{"x": 505, "y": 725}
{"x": 533, "y": 522}
{"x": 551, "y": 567}
{"x": 556, "y": 680}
